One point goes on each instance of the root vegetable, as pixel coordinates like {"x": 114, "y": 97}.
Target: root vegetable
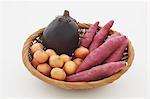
{"x": 50, "y": 52}
{"x": 58, "y": 74}
{"x": 35, "y": 47}
{"x": 117, "y": 55}
{"x": 100, "y": 36}
{"x": 101, "y": 53}
{"x": 34, "y": 62}
{"x": 44, "y": 69}
{"x": 56, "y": 61}
{"x": 81, "y": 52}
{"x": 41, "y": 56}
{"x": 98, "y": 72}
{"x": 70, "y": 67}
{"x": 78, "y": 61}
{"x": 65, "y": 57}
{"x": 114, "y": 35}
{"x": 88, "y": 37}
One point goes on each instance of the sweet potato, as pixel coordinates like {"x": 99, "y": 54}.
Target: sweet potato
{"x": 100, "y": 36}
{"x": 98, "y": 72}
{"x": 88, "y": 37}
{"x": 117, "y": 55}
{"x": 101, "y": 53}
{"x": 114, "y": 35}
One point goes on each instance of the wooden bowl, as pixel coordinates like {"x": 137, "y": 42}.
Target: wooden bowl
{"x": 72, "y": 85}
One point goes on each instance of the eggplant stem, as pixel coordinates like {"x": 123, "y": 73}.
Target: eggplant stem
{"x": 66, "y": 13}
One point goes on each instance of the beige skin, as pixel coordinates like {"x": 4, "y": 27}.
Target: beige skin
{"x": 58, "y": 73}
{"x": 65, "y": 57}
{"x": 50, "y": 52}
{"x": 56, "y": 61}
{"x": 70, "y": 67}
{"x": 44, "y": 69}
{"x": 81, "y": 52}
{"x": 41, "y": 56}
{"x": 35, "y": 47}
{"x": 78, "y": 61}
{"x": 34, "y": 62}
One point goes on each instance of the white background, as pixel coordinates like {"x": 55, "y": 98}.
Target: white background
{"x": 20, "y": 19}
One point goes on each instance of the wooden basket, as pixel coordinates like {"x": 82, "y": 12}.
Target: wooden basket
{"x": 72, "y": 85}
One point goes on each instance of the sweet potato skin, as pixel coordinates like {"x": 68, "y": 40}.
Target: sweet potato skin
{"x": 114, "y": 35}
{"x": 117, "y": 55}
{"x": 98, "y": 72}
{"x": 88, "y": 37}
{"x": 101, "y": 53}
{"x": 100, "y": 36}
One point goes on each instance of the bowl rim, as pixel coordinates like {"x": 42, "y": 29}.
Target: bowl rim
{"x": 72, "y": 85}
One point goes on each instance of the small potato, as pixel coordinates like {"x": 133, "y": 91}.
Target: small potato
{"x": 34, "y": 62}
{"x": 44, "y": 69}
{"x": 56, "y": 61}
{"x": 50, "y": 52}
{"x": 65, "y": 57}
{"x": 78, "y": 61}
{"x": 41, "y": 56}
{"x": 35, "y": 47}
{"x": 81, "y": 52}
{"x": 58, "y": 74}
{"x": 70, "y": 67}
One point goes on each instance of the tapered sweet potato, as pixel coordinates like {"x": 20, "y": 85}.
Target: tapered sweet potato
{"x": 114, "y": 35}
{"x": 100, "y": 36}
{"x": 101, "y": 53}
{"x": 88, "y": 37}
{"x": 98, "y": 72}
{"x": 117, "y": 55}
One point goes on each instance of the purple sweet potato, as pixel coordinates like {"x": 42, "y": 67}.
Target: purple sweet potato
{"x": 88, "y": 37}
{"x": 114, "y": 35}
{"x": 117, "y": 55}
{"x": 100, "y": 36}
{"x": 98, "y": 72}
{"x": 101, "y": 53}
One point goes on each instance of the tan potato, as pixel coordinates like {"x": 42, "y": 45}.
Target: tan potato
{"x": 70, "y": 67}
{"x": 50, "y": 52}
{"x": 58, "y": 73}
{"x": 81, "y": 52}
{"x": 35, "y": 47}
{"x": 41, "y": 56}
{"x": 44, "y": 69}
{"x": 56, "y": 61}
{"x": 34, "y": 62}
{"x": 65, "y": 57}
{"x": 78, "y": 61}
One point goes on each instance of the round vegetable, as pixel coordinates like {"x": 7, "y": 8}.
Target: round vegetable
{"x": 41, "y": 56}
{"x": 62, "y": 34}
{"x": 58, "y": 74}
{"x": 81, "y": 52}
{"x": 56, "y": 61}
{"x": 35, "y": 47}
{"x": 78, "y": 61}
{"x": 70, "y": 67}
{"x": 50, "y": 52}
{"x": 44, "y": 69}
{"x": 65, "y": 57}
{"x": 34, "y": 62}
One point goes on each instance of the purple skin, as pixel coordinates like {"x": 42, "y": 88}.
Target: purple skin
{"x": 100, "y": 36}
{"x": 98, "y": 72}
{"x": 117, "y": 55}
{"x": 88, "y": 37}
{"x": 114, "y": 35}
{"x": 101, "y": 53}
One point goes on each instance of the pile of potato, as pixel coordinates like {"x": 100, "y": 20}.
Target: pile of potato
{"x": 56, "y": 66}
